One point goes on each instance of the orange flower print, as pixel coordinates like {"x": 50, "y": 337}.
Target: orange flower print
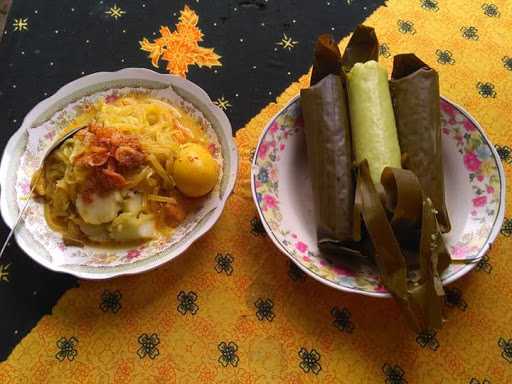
{"x": 181, "y": 47}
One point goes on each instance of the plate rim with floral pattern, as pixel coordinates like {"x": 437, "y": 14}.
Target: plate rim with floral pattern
{"x": 290, "y": 244}
{"x": 91, "y": 84}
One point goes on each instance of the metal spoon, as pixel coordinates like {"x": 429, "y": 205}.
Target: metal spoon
{"x": 56, "y": 144}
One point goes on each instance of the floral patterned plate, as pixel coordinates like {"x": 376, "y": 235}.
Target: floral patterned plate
{"x": 281, "y": 188}
{"x": 22, "y": 153}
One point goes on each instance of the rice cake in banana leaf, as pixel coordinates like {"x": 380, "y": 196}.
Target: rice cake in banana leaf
{"x": 327, "y": 134}
{"x": 415, "y": 92}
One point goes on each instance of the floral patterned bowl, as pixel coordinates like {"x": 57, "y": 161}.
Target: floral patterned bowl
{"x": 25, "y": 147}
{"x": 281, "y": 188}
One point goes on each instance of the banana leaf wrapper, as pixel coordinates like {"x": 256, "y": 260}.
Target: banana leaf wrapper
{"x": 415, "y": 92}
{"x": 363, "y": 46}
{"x": 327, "y": 134}
{"x": 327, "y": 59}
{"x": 326, "y": 129}
{"x": 419, "y": 298}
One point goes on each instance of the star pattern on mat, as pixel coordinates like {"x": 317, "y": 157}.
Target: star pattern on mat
{"x": 228, "y": 354}
{"x": 406, "y": 27}
{"x": 20, "y": 24}
{"x": 484, "y": 265}
{"x": 470, "y": 33}
{"x": 430, "y": 5}
{"x": 110, "y": 301}
{"x": 4, "y": 273}
{"x": 187, "y": 302}
{"x": 287, "y": 42}
{"x": 474, "y": 380}
{"x": 491, "y": 10}
{"x": 115, "y": 12}
{"x": 394, "y": 374}
{"x": 506, "y": 228}
{"x": 445, "y": 57}
{"x": 148, "y": 346}
{"x": 310, "y": 361}
{"x": 428, "y": 339}
{"x": 180, "y": 48}
{"x": 257, "y": 228}
{"x": 506, "y": 348}
{"x": 507, "y": 62}
{"x": 224, "y": 263}
{"x": 504, "y": 152}
{"x": 222, "y": 103}
{"x": 295, "y": 273}
{"x": 264, "y": 309}
{"x": 384, "y": 50}
{"x": 453, "y": 298}
{"x": 67, "y": 349}
{"x": 342, "y": 319}
{"x": 486, "y": 90}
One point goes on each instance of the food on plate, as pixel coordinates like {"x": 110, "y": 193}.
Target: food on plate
{"x": 195, "y": 171}
{"x": 375, "y": 175}
{"x": 415, "y": 92}
{"x": 135, "y": 173}
{"x": 374, "y": 135}
{"x": 327, "y": 130}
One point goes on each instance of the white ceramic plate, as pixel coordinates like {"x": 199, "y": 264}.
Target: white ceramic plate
{"x": 281, "y": 187}
{"x": 144, "y": 80}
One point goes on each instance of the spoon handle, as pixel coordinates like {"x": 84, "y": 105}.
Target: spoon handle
{"x": 52, "y": 148}
{"x": 20, "y": 216}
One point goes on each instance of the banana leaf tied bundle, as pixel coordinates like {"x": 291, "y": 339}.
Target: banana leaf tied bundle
{"x": 375, "y": 161}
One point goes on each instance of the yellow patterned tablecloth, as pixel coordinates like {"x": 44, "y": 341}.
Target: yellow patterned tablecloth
{"x": 234, "y": 310}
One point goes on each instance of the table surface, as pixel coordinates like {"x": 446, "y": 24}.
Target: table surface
{"x": 233, "y": 309}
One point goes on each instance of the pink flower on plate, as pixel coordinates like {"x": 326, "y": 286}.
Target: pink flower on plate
{"x": 281, "y": 147}
{"x": 480, "y": 177}
{"x": 340, "y": 271}
{"x": 471, "y": 161}
{"x": 380, "y": 288}
{"x": 301, "y": 247}
{"x": 480, "y": 201}
{"x": 446, "y": 107}
{"x": 446, "y": 131}
{"x": 262, "y": 152}
{"x": 49, "y": 135}
{"x": 490, "y": 189}
{"x": 274, "y": 127}
{"x": 469, "y": 126}
{"x": 306, "y": 258}
{"x": 132, "y": 254}
{"x": 111, "y": 98}
{"x": 270, "y": 201}
{"x": 459, "y": 251}
{"x": 25, "y": 188}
